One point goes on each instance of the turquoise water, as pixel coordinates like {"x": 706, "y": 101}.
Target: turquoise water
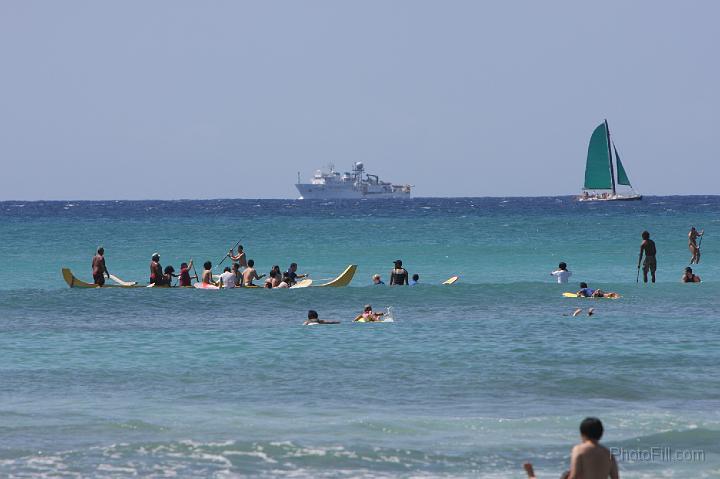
{"x": 471, "y": 380}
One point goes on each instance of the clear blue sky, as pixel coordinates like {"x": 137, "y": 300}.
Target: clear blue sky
{"x": 179, "y": 99}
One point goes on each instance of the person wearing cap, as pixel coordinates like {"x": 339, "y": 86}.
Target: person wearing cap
{"x": 99, "y": 270}
{"x": 398, "y": 275}
{"x": 156, "y": 271}
{"x": 377, "y": 280}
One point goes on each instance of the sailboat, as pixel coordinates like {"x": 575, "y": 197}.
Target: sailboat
{"x": 601, "y": 176}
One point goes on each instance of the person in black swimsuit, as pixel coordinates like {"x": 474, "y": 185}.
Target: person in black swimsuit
{"x": 399, "y": 275}
{"x": 689, "y": 276}
{"x": 650, "y": 263}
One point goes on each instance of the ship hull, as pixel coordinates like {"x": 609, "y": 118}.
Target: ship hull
{"x": 339, "y": 192}
{"x": 612, "y": 198}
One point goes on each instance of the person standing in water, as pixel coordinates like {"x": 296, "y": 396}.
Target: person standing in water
{"x": 99, "y": 270}
{"x": 693, "y": 246}
{"x": 398, "y": 275}
{"x": 647, "y": 247}
{"x": 589, "y": 459}
{"x": 562, "y": 274}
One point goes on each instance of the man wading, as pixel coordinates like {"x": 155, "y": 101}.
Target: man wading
{"x": 650, "y": 264}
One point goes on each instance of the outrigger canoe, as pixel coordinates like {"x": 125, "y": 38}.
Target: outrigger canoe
{"x": 342, "y": 280}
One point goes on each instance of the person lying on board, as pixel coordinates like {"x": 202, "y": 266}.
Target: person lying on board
{"x": 368, "y": 315}
{"x": 239, "y": 258}
{"x": 292, "y": 273}
{"x": 313, "y": 319}
{"x": 586, "y": 292}
{"x": 99, "y": 270}
{"x": 250, "y": 274}
{"x": 184, "y": 278}
{"x": 690, "y": 277}
{"x": 228, "y": 278}
{"x": 207, "y": 276}
{"x": 589, "y": 459}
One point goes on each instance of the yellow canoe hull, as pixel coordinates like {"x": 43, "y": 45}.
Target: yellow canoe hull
{"x": 73, "y": 282}
{"x": 343, "y": 280}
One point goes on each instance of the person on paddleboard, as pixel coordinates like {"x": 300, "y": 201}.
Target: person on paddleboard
{"x": 168, "y": 275}
{"x": 562, "y": 274}
{"x": 228, "y": 278}
{"x": 368, "y": 315}
{"x": 690, "y": 277}
{"x": 586, "y": 292}
{"x": 156, "y": 270}
{"x": 398, "y": 275}
{"x": 285, "y": 283}
{"x": 292, "y": 274}
{"x": 647, "y": 247}
{"x": 99, "y": 270}
{"x": 250, "y": 274}
{"x": 693, "y": 246}
{"x": 313, "y": 319}
{"x": 207, "y": 276}
{"x": 184, "y": 278}
{"x": 240, "y": 257}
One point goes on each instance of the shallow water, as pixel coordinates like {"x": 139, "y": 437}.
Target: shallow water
{"x": 471, "y": 380}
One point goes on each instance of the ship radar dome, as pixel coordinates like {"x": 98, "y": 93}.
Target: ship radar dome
{"x": 359, "y": 165}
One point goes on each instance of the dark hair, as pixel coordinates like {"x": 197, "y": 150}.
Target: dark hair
{"x": 207, "y": 265}
{"x": 272, "y": 273}
{"x": 101, "y": 250}
{"x": 367, "y": 308}
{"x": 169, "y": 269}
{"x": 268, "y": 285}
{"x": 583, "y": 285}
{"x": 591, "y": 428}
{"x": 285, "y": 276}
{"x": 293, "y": 265}
{"x": 416, "y": 277}
{"x": 240, "y": 248}
{"x": 688, "y": 269}
{"x": 562, "y": 265}
{"x": 312, "y": 314}
{"x": 251, "y": 263}
{"x": 645, "y": 235}
{"x": 235, "y": 266}
{"x": 227, "y": 269}
{"x": 398, "y": 262}
{"x": 183, "y": 265}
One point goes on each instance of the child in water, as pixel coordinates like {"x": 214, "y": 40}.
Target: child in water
{"x": 368, "y": 315}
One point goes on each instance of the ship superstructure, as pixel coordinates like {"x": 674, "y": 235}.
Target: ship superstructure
{"x": 355, "y": 184}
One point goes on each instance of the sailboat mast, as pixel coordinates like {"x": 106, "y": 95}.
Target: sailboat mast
{"x": 609, "y": 150}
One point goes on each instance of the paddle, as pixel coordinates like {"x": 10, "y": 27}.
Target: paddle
{"x": 226, "y": 256}
{"x": 637, "y": 278}
{"x": 194, "y": 271}
{"x": 697, "y": 261}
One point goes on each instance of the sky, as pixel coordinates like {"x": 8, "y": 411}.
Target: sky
{"x": 231, "y": 99}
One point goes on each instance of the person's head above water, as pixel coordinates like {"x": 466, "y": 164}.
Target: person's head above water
{"x": 207, "y": 265}
{"x": 312, "y": 314}
{"x": 583, "y": 285}
{"x": 155, "y": 257}
{"x": 251, "y": 263}
{"x": 562, "y": 265}
{"x": 591, "y": 428}
{"x": 415, "y": 277}
{"x": 688, "y": 270}
{"x": 398, "y": 263}
{"x": 645, "y": 235}
{"x": 367, "y": 308}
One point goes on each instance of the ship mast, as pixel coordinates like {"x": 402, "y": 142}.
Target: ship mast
{"x": 609, "y": 148}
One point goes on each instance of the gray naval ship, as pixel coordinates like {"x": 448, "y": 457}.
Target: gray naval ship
{"x": 349, "y": 185}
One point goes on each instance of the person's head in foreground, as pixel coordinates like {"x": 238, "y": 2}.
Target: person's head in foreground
{"x": 591, "y": 429}
{"x": 645, "y": 235}
{"x": 376, "y": 278}
{"x": 312, "y": 315}
{"x": 416, "y": 277}
{"x": 583, "y": 285}
{"x": 562, "y": 266}
{"x": 207, "y": 265}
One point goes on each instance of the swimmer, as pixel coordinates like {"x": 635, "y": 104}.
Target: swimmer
{"x": 577, "y": 312}
{"x": 313, "y": 319}
{"x": 562, "y": 274}
{"x": 689, "y": 276}
{"x": 368, "y": 315}
{"x": 377, "y": 280}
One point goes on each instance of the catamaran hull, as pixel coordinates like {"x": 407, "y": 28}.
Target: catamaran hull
{"x": 612, "y": 198}
{"x": 332, "y": 192}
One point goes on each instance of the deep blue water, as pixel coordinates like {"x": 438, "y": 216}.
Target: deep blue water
{"x": 470, "y": 380}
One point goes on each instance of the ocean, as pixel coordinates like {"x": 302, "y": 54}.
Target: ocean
{"x": 471, "y": 380}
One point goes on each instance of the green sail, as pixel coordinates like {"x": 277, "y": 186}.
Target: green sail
{"x": 597, "y": 168}
{"x": 622, "y": 177}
